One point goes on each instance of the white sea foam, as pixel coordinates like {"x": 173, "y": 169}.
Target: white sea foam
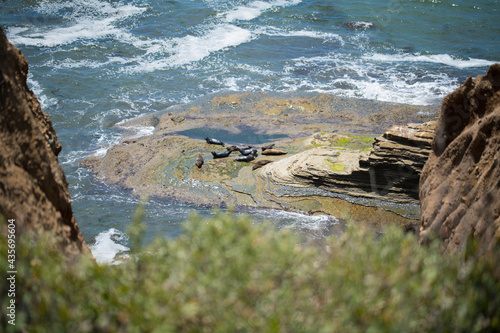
{"x": 89, "y": 20}
{"x": 274, "y": 31}
{"x": 254, "y": 9}
{"x": 247, "y": 13}
{"x": 141, "y": 131}
{"x": 371, "y": 79}
{"x": 84, "y": 63}
{"x": 296, "y": 220}
{"x": 44, "y": 100}
{"x": 106, "y": 246}
{"x": 190, "y": 49}
{"x": 444, "y": 59}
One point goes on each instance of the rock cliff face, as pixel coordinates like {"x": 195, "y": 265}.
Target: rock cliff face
{"x": 33, "y": 188}
{"x": 460, "y": 183}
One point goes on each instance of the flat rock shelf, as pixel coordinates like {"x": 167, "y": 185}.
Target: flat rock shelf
{"x": 358, "y": 160}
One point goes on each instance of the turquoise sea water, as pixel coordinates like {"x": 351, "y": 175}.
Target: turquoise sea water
{"x": 95, "y": 63}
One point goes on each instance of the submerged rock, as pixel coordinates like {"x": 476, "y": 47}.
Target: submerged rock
{"x": 460, "y": 183}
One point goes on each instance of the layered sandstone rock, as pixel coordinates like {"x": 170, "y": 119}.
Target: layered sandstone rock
{"x": 460, "y": 183}
{"x": 397, "y": 159}
{"x": 390, "y": 171}
{"x": 33, "y": 188}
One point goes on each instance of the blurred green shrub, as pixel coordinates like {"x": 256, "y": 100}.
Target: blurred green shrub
{"x": 229, "y": 275}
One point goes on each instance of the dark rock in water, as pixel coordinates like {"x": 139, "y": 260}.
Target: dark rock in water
{"x": 269, "y": 146}
{"x": 199, "y": 161}
{"x": 214, "y": 141}
{"x": 273, "y": 152}
{"x": 460, "y": 183}
{"x": 33, "y": 187}
{"x": 260, "y": 164}
{"x": 216, "y": 154}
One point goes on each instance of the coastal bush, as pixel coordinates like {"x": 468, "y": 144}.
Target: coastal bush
{"x": 227, "y": 274}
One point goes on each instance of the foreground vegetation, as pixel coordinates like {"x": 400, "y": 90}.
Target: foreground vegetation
{"x": 229, "y": 275}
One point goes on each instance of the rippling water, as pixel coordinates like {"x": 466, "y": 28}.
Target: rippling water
{"x": 94, "y": 63}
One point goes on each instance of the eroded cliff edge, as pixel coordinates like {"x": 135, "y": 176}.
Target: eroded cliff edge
{"x": 33, "y": 187}
{"x": 460, "y": 183}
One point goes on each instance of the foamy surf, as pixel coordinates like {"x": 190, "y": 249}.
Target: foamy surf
{"x": 254, "y": 9}
{"x": 92, "y": 20}
{"x": 443, "y": 59}
{"x": 312, "y": 226}
{"x": 189, "y": 49}
{"x": 106, "y": 246}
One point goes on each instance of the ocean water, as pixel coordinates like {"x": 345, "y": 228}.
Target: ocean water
{"x": 96, "y": 63}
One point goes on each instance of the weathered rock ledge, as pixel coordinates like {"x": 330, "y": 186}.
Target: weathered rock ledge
{"x": 389, "y": 171}
{"x": 358, "y": 175}
{"x": 33, "y": 188}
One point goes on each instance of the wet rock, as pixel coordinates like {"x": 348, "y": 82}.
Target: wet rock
{"x": 358, "y": 25}
{"x": 460, "y": 183}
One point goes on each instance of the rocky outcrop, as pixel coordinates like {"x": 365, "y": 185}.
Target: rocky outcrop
{"x": 397, "y": 160}
{"x": 460, "y": 183}
{"x": 314, "y": 169}
{"x": 390, "y": 171}
{"x": 33, "y": 188}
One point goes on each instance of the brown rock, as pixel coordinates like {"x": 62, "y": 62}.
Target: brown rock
{"x": 33, "y": 188}
{"x": 398, "y": 157}
{"x": 390, "y": 171}
{"x": 460, "y": 183}
{"x": 178, "y": 119}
